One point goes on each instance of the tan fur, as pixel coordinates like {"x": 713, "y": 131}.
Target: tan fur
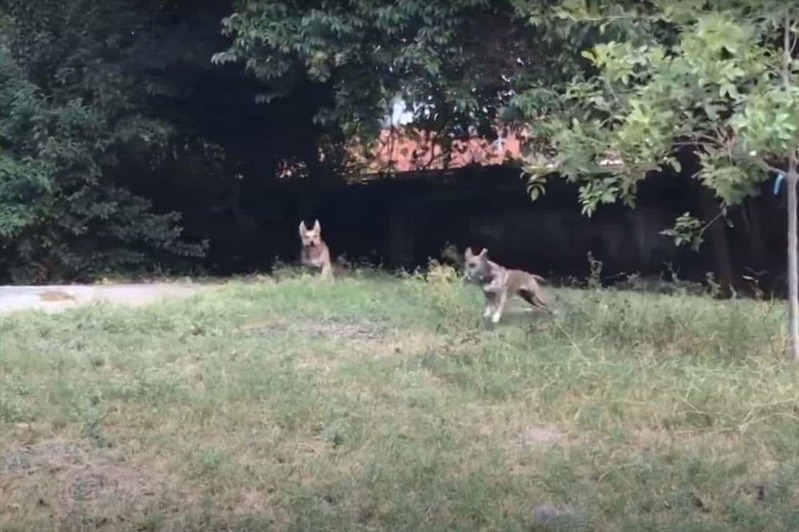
{"x": 315, "y": 253}
{"x": 499, "y": 283}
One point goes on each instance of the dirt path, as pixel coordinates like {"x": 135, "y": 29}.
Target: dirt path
{"x": 58, "y": 298}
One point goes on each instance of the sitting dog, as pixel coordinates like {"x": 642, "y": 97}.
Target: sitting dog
{"x": 498, "y": 283}
{"x": 315, "y": 252}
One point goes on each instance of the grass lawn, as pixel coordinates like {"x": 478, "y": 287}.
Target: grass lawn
{"x": 379, "y": 403}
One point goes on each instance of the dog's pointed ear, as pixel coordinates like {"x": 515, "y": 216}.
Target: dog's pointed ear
{"x": 483, "y": 253}
{"x": 468, "y": 253}
{"x": 302, "y": 228}
{"x": 317, "y": 226}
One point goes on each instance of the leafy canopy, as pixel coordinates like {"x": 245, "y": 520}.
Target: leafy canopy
{"x": 720, "y": 79}
{"x": 68, "y": 114}
{"x": 456, "y": 62}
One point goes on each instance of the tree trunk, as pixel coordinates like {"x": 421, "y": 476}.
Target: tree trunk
{"x": 791, "y": 179}
{"x": 793, "y": 262}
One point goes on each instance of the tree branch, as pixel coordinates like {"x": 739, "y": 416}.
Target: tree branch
{"x": 760, "y": 163}
{"x": 722, "y": 211}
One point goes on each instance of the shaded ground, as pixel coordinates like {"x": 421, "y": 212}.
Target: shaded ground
{"x": 58, "y": 298}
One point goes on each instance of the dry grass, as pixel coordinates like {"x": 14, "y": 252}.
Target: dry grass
{"x": 378, "y": 403}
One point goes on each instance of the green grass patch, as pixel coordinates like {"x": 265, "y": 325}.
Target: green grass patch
{"x": 382, "y": 403}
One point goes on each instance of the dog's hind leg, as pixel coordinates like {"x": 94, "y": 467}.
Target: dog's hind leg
{"x": 535, "y": 296}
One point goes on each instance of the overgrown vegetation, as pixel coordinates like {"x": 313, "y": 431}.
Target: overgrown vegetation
{"x": 381, "y": 403}
{"x": 69, "y": 113}
{"x": 452, "y": 61}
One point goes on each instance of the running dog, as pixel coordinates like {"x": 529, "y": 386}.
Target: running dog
{"x": 499, "y": 283}
{"x": 315, "y": 253}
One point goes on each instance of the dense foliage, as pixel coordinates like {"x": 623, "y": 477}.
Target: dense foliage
{"x": 715, "y": 79}
{"x": 456, "y": 62}
{"x": 68, "y": 113}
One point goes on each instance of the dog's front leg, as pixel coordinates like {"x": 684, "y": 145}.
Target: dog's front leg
{"x": 500, "y": 307}
{"x": 327, "y": 271}
{"x": 490, "y": 303}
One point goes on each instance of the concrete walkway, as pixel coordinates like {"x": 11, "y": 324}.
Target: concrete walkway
{"x": 62, "y": 297}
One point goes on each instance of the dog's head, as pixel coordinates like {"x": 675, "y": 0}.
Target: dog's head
{"x": 476, "y": 266}
{"x": 311, "y": 237}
